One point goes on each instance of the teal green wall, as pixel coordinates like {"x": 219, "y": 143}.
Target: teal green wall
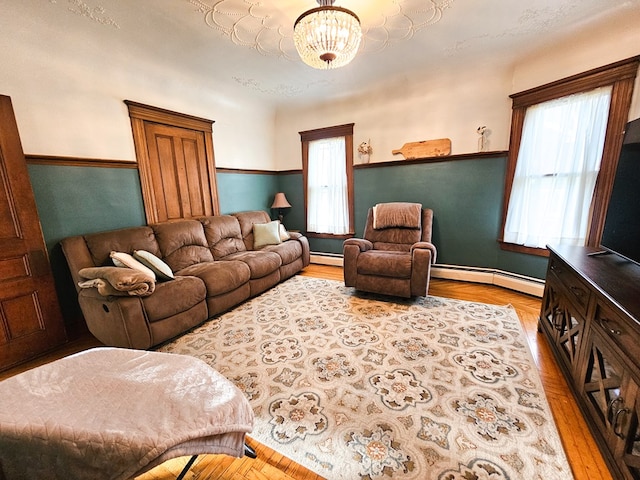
{"x": 78, "y": 200}
{"x": 291, "y": 185}
{"x": 239, "y": 192}
{"x": 466, "y": 196}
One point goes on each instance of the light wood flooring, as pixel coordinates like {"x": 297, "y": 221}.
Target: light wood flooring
{"x": 582, "y": 451}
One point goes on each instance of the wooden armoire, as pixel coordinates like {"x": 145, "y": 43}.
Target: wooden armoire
{"x": 30, "y": 319}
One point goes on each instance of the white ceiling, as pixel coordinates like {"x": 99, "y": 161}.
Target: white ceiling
{"x": 246, "y": 45}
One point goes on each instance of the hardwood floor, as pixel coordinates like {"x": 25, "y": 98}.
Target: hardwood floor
{"x": 582, "y": 451}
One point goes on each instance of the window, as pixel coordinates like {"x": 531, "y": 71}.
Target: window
{"x": 565, "y": 141}
{"x": 557, "y": 167}
{"x": 327, "y": 166}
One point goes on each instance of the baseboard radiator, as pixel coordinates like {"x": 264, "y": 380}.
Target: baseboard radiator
{"x": 491, "y": 276}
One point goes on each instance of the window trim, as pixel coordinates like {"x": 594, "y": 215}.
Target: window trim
{"x": 345, "y": 131}
{"x": 621, "y": 76}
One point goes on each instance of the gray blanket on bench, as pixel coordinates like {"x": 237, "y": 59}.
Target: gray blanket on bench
{"x": 111, "y": 413}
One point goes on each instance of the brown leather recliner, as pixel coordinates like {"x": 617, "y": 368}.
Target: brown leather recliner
{"x": 396, "y": 253}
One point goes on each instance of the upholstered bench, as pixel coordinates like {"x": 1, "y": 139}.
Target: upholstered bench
{"x": 116, "y": 413}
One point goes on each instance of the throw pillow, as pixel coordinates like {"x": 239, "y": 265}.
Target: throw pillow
{"x": 284, "y": 235}
{"x": 148, "y": 259}
{"x": 121, "y": 259}
{"x": 266, "y": 234}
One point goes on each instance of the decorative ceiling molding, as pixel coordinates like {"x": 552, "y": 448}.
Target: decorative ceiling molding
{"x": 268, "y": 30}
{"x": 280, "y": 89}
{"x": 532, "y": 21}
{"x": 97, "y": 13}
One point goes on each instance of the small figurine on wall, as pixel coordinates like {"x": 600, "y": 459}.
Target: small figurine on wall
{"x": 482, "y": 141}
{"x": 365, "y": 150}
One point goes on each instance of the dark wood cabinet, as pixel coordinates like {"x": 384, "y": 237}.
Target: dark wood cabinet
{"x": 591, "y": 317}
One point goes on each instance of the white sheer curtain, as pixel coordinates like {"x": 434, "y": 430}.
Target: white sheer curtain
{"x": 327, "y": 200}
{"x": 556, "y": 170}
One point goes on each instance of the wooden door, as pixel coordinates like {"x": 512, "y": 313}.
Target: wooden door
{"x": 30, "y": 318}
{"x": 176, "y": 163}
{"x": 179, "y": 174}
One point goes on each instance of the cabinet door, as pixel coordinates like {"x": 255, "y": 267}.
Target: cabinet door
{"x": 550, "y": 306}
{"x": 564, "y": 325}
{"x": 612, "y": 396}
{"x": 602, "y": 383}
{"x": 623, "y": 337}
{"x": 628, "y": 431}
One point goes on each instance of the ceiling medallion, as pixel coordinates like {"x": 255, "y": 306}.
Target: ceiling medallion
{"x": 327, "y": 36}
{"x": 267, "y": 29}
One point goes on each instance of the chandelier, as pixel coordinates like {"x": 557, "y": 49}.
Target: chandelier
{"x": 327, "y": 36}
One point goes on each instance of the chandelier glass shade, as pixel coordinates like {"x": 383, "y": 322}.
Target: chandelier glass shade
{"x": 327, "y": 36}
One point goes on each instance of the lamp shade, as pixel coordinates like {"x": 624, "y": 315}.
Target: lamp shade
{"x": 327, "y": 36}
{"x": 280, "y": 201}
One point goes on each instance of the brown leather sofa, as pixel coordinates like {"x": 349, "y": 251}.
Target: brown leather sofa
{"x": 394, "y": 258}
{"x": 215, "y": 268}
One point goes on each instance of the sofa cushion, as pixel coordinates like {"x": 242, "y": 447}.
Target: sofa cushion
{"x": 223, "y": 235}
{"x": 288, "y": 251}
{"x": 121, "y": 259}
{"x": 266, "y": 234}
{"x": 174, "y": 297}
{"x": 162, "y": 270}
{"x": 182, "y": 243}
{"x": 284, "y": 235}
{"x": 219, "y": 277}
{"x": 127, "y": 240}
{"x": 384, "y": 264}
{"x": 261, "y": 263}
{"x": 246, "y": 220}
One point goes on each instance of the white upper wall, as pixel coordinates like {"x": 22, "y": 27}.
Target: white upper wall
{"x": 595, "y": 47}
{"x": 453, "y": 104}
{"x": 438, "y": 104}
{"x": 68, "y": 89}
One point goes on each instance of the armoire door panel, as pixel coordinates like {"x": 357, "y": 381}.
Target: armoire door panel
{"x": 13, "y": 268}
{"x": 30, "y": 318}
{"x": 23, "y": 315}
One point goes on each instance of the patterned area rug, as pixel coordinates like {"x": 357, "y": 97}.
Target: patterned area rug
{"x": 357, "y": 386}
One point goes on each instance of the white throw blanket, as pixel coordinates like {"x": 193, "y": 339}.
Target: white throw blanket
{"x": 397, "y": 214}
{"x": 111, "y": 413}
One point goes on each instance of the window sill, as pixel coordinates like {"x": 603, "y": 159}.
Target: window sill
{"x": 330, "y": 235}
{"x": 512, "y": 247}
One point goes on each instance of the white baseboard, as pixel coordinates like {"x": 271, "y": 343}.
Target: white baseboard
{"x": 326, "y": 259}
{"x": 491, "y": 276}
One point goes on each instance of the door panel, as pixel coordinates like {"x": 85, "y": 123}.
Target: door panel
{"x": 30, "y": 318}
{"x": 176, "y": 163}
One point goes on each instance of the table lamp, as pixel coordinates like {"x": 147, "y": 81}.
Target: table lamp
{"x": 280, "y": 202}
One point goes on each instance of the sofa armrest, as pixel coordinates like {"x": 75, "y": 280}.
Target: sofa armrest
{"x": 362, "y": 244}
{"x": 78, "y": 257}
{"x": 422, "y": 256}
{"x": 425, "y": 246}
{"x": 351, "y": 249}
{"x": 304, "y": 243}
{"x": 116, "y": 321}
